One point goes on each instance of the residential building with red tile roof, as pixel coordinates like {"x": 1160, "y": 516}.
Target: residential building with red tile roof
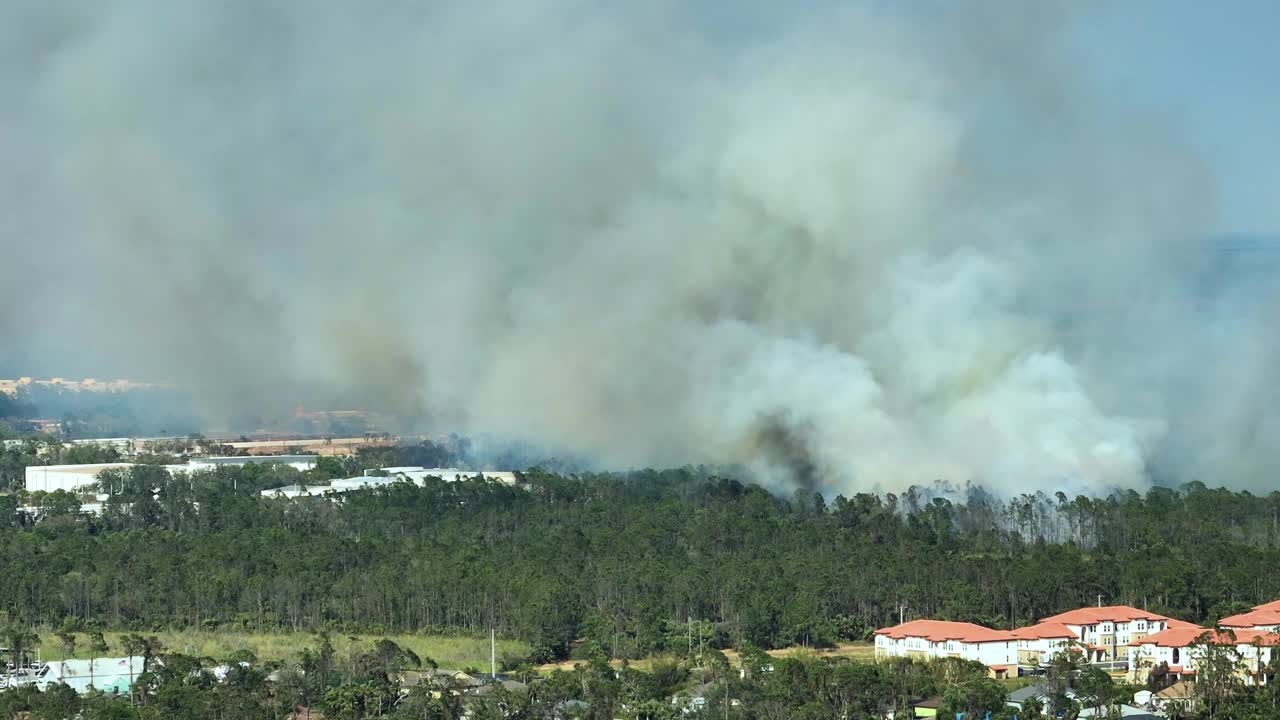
{"x": 933, "y": 639}
{"x": 1274, "y": 605}
{"x": 1253, "y": 620}
{"x": 1106, "y": 632}
{"x": 1038, "y": 644}
{"x": 1104, "y": 635}
{"x": 1179, "y": 649}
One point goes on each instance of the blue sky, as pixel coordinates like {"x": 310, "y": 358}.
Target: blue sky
{"x": 1208, "y": 69}
{"x": 1213, "y": 68}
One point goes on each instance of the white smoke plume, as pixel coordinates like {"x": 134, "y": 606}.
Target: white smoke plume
{"x": 852, "y": 247}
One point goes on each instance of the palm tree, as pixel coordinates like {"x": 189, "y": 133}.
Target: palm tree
{"x": 133, "y": 646}
{"x": 97, "y": 648}
{"x": 151, "y": 647}
{"x": 1063, "y": 671}
{"x": 20, "y": 640}
{"x": 68, "y": 643}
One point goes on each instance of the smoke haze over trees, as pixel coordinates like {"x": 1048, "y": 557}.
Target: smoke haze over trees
{"x": 849, "y": 247}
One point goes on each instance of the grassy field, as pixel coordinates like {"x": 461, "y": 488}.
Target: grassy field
{"x": 857, "y": 651}
{"x": 449, "y": 652}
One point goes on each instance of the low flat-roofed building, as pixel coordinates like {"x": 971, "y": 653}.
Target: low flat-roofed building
{"x": 293, "y": 491}
{"x": 108, "y": 675}
{"x": 419, "y": 474}
{"x": 413, "y": 475}
{"x": 298, "y": 462}
{"x": 363, "y": 481}
{"x": 47, "y": 478}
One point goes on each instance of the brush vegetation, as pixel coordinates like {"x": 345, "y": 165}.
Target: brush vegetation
{"x": 448, "y": 652}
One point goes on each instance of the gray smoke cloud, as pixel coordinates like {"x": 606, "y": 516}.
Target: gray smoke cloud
{"x": 849, "y": 247}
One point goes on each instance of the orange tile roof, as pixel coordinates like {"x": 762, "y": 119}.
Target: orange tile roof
{"x": 1182, "y": 637}
{"x": 1274, "y": 606}
{"x": 1251, "y": 618}
{"x": 1258, "y": 637}
{"x": 1175, "y": 624}
{"x": 1045, "y": 631}
{"x": 1173, "y": 637}
{"x": 939, "y": 630}
{"x": 1095, "y": 615}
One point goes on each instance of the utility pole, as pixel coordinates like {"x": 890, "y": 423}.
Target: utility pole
{"x": 1099, "y": 599}
{"x": 902, "y": 613}
{"x": 493, "y": 654}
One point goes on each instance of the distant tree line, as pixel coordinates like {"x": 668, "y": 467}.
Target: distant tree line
{"x": 634, "y": 563}
{"x": 145, "y": 411}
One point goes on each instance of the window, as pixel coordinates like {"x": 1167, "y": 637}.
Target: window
{"x": 1176, "y": 656}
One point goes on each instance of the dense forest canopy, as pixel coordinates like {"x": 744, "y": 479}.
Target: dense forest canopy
{"x": 625, "y": 561}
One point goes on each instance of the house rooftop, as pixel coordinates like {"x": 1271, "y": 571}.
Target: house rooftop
{"x": 1095, "y": 615}
{"x": 940, "y": 630}
{"x": 1040, "y": 690}
{"x": 1182, "y": 637}
{"x": 1177, "y": 691}
{"x": 1127, "y": 712}
{"x": 1251, "y": 618}
{"x": 1045, "y": 631}
{"x": 87, "y": 468}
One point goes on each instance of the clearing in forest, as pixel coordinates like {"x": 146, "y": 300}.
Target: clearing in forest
{"x": 448, "y": 651}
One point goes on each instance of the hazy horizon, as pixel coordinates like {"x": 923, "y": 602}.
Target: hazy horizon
{"x": 849, "y": 245}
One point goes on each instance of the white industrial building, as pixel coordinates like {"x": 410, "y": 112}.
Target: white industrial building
{"x": 123, "y": 446}
{"x": 297, "y": 462}
{"x": 47, "y": 478}
{"x": 417, "y": 474}
{"x": 113, "y": 676}
{"x": 331, "y": 488}
{"x": 108, "y": 675}
{"x": 414, "y": 474}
